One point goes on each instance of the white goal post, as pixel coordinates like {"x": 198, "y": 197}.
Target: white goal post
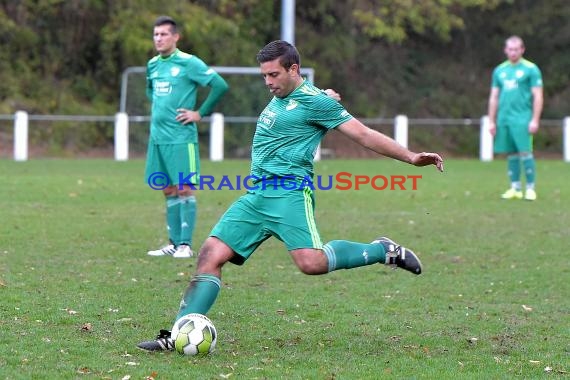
{"x": 216, "y": 119}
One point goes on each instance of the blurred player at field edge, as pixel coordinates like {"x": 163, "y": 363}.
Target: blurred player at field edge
{"x": 515, "y": 105}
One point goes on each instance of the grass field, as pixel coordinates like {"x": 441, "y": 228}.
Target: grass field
{"x": 78, "y": 290}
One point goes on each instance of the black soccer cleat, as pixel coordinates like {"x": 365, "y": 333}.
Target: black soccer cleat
{"x": 163, "y": 342}
{"x": 400, "y": 257}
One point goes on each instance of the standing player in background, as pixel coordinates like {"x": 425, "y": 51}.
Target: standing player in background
{"x": 287, "y": 134}
{"x": 173, "y": 78}
{"x": 515, "y": 105}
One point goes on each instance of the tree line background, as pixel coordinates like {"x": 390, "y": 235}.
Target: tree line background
{"x": 429, "y": 58}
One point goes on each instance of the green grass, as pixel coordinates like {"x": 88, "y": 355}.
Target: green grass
{"x": 73, "y": 242}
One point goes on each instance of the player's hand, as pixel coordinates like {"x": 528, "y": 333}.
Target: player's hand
{"x": 425, "y": 159}
{"x": 492, "y": 128}
{"x": 187, "y": 116}
{"x": 333, "y": 94}
{"x": 533, "y": 127}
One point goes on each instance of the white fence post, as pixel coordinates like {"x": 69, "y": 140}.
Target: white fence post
{"x": 566, "y": 138}
{"x": 401, "y": 130}
{"x": 21, "y": 136}
{"x": 121, "y": 136}
{"x": 217, "y": 137}
{"x": 485, "y": 141}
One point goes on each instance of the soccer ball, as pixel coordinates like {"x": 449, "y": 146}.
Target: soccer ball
{"x": 194, "y": 334}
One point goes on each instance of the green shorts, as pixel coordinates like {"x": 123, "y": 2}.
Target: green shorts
{"x": 260, "y": 214}
{"x": 172, "y": 163}
{"x": 513, "y": 138}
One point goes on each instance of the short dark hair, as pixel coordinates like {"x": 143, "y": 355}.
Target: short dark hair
{"x": 164, "y": 20}
{"x": 287, "y": 54}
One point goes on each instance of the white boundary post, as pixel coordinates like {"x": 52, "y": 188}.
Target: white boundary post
{"x": 21, "y": 136}
{"x": 566, "y": 138}
{"x": 401, "y": 130}
{"x": 121, "y": 136}
{"x": 217, "y": 137}
{"x": 485, "y": 141}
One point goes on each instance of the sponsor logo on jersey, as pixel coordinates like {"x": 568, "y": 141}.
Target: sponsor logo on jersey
{"x": 175, "y": 71}
{"x": 266, "y": 119}
{"x": 519, "y": 73}
{"x": 162, "y": 88}
{"x": 510, "y": 84}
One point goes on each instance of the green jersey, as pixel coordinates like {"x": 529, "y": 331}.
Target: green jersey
{"x": 515, "y": 83}
{"x": 289, "y": 131}
{"x": 172, "y": 83}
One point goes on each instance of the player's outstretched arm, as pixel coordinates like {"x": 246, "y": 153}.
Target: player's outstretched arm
{"x": 386, "y": 146}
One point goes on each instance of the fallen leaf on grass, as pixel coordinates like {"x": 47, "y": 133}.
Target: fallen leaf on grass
{"x": 132, "y": 363}
{"x": 548, "y": 369}
{"x": 126, "y": 377}
{"x": 526, "y": 308}
{"x": 86, "y": 327}
{"x": 226, "y": 376}
{"x": 534, "y": 361}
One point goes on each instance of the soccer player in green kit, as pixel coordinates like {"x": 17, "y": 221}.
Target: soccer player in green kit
{"x": 173, "y": 78}
{"x": 515, "y": 105}
{"x": 288, "y": 132}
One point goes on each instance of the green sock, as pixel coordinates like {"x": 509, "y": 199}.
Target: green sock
{"x": 514, "y": 167}
{"x": 173, "y": 218}
{"x": 529, "y": 170}
{"x": 343, "y": 254}
{"x": 187, "y": 219}
{"x": 200, "y": 295}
